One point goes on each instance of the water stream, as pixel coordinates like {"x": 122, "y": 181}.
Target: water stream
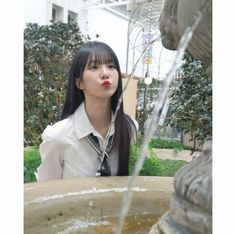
{"x": 105, "y": 143}
{"x": 153, "y": 119}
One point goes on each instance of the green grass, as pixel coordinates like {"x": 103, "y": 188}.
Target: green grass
{"x": 31, "y": 161}
{"x": 167, "y": 144}
{"x": 153, "y": 166}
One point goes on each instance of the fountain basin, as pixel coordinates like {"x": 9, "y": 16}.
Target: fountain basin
{"x": 67, "y": 206}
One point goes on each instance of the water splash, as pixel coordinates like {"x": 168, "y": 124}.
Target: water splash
{"x": 77, "y": 225}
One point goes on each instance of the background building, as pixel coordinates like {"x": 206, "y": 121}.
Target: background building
{"x": 125, "y": 25}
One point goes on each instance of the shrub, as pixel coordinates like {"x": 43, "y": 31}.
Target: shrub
{"x": 191, "y": 101}
{"x": 48, "y": 52}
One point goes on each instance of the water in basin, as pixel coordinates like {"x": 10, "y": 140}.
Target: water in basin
{"x": 136, "y": 224}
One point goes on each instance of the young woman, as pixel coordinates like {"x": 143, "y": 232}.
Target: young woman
{"x": 76, "y": 146}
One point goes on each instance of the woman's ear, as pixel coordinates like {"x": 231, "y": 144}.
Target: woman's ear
{"x": 79, "y": 83}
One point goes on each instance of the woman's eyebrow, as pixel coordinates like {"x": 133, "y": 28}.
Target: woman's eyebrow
{"x": 97, "y": 61}
{"x": 92, "y": 62}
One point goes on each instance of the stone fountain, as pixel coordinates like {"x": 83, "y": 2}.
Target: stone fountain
{"x": 191, "y": 203}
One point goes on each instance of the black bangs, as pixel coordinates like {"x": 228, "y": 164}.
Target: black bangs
{"x": 101, "y": 55}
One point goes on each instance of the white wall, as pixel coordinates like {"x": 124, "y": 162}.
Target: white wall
{"x": 111, "y": 28}
{"x": 35, "y": 11}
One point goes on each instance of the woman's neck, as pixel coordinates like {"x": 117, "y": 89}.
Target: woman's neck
{"x": 99, "y": 114}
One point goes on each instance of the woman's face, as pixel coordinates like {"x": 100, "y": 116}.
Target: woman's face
{"x": 99, "y": 80}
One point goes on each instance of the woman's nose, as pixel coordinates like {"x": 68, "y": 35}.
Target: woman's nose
{"x": 104, "y": 71}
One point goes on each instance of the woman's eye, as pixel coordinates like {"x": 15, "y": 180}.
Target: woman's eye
{"x": 93, "y": 67}
{"x": 112, "y": 66}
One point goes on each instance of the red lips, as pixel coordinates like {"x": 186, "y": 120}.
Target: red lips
{"x": 106, "y": 84}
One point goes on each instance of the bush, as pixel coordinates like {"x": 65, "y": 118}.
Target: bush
{"x": 191, "y": 100}
{"x": 48, "y": 52}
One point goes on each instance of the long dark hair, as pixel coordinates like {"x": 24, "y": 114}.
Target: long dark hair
{"x": 124, "y": 126}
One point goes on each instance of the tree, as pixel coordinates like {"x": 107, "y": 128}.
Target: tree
{"x": 146, "y": 95}
{"x": 48, "y": 51}
{"x": 191, "y": 101}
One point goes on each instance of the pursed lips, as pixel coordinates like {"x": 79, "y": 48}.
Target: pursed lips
{"x": 106, "y": 84}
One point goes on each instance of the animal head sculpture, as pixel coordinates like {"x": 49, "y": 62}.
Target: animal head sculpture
{"x": 177, "y": 15}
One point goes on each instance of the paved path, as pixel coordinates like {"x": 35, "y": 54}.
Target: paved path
{"x": 171, "y": 154}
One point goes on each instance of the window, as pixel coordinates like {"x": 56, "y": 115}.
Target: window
{"x": 57, "y": 13}
{"x": 72, "y": 17}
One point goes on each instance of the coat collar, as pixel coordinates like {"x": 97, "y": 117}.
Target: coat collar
{"x": 83, "y": 126}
